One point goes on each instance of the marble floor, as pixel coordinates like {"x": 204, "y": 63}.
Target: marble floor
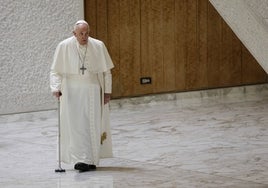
{"x": 214, "y": 138}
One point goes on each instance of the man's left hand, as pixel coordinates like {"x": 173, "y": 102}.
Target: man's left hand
{"x": 107, "y": 97}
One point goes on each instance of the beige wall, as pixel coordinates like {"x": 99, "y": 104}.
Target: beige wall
{"x": 30, "y": 31}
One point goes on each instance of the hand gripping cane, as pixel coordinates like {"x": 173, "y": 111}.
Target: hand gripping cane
{"x": 59, "y": 150}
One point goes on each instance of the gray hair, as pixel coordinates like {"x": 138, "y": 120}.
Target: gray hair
{"x": 80, "y": 22}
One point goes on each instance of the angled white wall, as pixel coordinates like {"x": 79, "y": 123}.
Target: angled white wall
{"x": 248, "y": 20}
{"x": 30, "y": 31}
{"x": 260, "y": 7}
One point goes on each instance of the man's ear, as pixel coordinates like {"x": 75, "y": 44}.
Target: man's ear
{"x": 74, "y": 33}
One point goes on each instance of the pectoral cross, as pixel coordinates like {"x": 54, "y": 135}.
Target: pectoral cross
{"x": 83, "y": 69}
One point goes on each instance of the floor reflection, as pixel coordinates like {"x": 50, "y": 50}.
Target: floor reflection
{"x": 84, "y": 180}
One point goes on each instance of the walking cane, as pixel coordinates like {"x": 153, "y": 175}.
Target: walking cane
{"x": 59, "y": 150}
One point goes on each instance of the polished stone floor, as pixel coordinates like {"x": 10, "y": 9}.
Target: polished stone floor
{"x": 214, "y": 138}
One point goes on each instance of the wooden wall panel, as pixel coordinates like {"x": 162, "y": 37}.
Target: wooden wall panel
{"x": 113, "y": 35}
{"x": 91, "y": 15}
{"x": 181, "y": 44}
{"x": 129, "y": 46}
{"x": 146, "y": 47}
{"x": 102, "y": 19}
{"x": 192, "y": 66}
{"x": 168, "y": 45}
{"x": 126, "y": 64}
{"x": 202, "y": 43}
{"x": 157, "y": 58}
{"x": 134, "y": 7}
{"x": 214, "y": 47}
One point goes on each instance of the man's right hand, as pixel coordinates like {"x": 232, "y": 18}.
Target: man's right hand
{"x": 57, "y": 94}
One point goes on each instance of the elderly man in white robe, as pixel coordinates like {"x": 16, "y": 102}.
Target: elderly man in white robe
{"x": 81, "y": 79}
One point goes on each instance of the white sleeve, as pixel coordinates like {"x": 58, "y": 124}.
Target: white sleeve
{"x": 55, "y": 81}
{"x": 108, "y": 82}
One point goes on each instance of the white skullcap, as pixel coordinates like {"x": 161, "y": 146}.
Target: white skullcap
{"x": 80, "y": 22}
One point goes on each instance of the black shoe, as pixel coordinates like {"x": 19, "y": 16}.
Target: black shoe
{"x": 83, "y": 167}
{"x": 92, "y": 167}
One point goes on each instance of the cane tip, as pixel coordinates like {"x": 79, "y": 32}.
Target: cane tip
{"x": 59, "y": 170}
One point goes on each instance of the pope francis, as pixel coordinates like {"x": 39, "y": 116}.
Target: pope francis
{"x": 81, "y": 79}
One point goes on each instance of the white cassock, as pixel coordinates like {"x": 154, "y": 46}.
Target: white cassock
{"x": 85, "y": 124}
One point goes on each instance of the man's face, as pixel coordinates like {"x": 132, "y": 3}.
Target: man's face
{"x": 81, "y": 33}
